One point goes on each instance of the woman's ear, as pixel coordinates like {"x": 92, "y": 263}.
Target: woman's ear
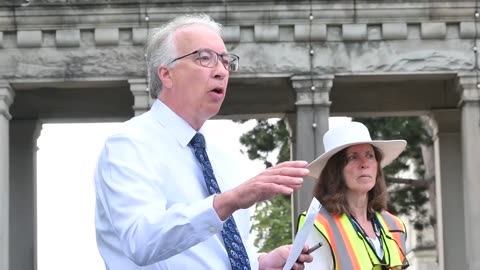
{"x": 165, "y": 77}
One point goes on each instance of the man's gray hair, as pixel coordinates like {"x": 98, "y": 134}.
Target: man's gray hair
{"x": 161, "y": 48}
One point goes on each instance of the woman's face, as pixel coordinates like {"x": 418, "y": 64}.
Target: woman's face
{"x": 360, "y": 172}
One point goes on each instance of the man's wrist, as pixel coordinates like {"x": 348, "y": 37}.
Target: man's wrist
{"x": 224, "y": 204}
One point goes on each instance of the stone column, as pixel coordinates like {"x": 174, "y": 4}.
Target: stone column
{"x": 291, "y": 121}
{"x": 470, "y": 127}
{"x": 23, "y": 178}
{"x": 141, "y": 97}
{"x": 313, "y": 110}
{"x": 449, "y": 189}
{"x": 6, "y": 99}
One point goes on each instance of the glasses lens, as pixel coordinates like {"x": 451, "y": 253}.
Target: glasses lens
{"x": 207, "y": 58}
{"x": 230, "y": 62}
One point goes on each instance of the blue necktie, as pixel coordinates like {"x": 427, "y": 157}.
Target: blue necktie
{"x": 233, "y": 242}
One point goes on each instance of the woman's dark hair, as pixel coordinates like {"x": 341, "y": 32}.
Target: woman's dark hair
{"x": 331, "y": 188}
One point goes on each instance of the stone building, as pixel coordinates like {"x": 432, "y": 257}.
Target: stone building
{"x": 82, "y": 60}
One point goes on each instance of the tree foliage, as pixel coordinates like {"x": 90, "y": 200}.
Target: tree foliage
{"x": 264, "y": 138}
{"x": 272, "y": 218}
{"x": 269, "y": 223}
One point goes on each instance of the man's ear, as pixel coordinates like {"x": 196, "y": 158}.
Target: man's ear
{"x": 165, "y": 76}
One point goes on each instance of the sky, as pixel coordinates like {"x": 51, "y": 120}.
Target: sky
{"x": 66, "y": 161}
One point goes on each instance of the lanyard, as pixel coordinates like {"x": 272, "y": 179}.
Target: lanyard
{"x": 359, "y": 228}
{"x": 364, "y": 235}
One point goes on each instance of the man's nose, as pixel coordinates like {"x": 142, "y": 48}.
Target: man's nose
{"x": 220, "y": 71}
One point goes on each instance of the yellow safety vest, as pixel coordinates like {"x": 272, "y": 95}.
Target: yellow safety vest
{"x": 348, "y": 246}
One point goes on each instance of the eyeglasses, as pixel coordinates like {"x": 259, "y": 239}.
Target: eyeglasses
{"x": 405, "y": 263}
{"x": 382, "y": 266}
{"x": 209, "y": 58}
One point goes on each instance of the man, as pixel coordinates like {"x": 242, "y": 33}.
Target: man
{"x": 162, "y": 201}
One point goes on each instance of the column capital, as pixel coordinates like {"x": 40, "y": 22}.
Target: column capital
{"x": 6, "y": 99}
{"x": 468, "y": 88}
{"x": 141, "y": 97}
{"x": 27, "y": 132}
{"x": 445, "y": 121}
{"x": 312, "y": 90}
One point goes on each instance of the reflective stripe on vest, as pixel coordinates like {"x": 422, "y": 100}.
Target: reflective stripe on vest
{"x": 348, "y": 247}
{"x": 396, "y": 230}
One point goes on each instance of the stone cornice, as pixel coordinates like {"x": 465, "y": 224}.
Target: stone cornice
{"x": 6, "y": 99}
{"x": 52, "y": 15}
{"x": 104, "y": 35}
{"x": 110, "y": 35}
{"x": 50, "y": 23}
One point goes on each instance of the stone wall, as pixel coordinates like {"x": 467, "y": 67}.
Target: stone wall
{"x": 82, "y": 39}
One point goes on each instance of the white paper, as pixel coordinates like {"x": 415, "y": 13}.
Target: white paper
{"x": 302, "y": 234}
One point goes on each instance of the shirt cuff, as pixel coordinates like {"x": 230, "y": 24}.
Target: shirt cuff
{"x": 208, "y": 219}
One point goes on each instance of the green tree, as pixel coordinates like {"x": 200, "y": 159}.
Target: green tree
{"x": 268, "y": 222}
{"x": 271, "y": 221}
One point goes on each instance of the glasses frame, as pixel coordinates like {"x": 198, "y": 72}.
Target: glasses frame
{"x": 382, "y": 266}
{"x": 218, "y": 55}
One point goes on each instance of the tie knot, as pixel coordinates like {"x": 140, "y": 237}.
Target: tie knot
{"x": 198, "y": 141}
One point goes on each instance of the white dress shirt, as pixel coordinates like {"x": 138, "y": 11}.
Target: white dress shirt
{"x": 322, "y": 257}
{"x": 153, "y": 210}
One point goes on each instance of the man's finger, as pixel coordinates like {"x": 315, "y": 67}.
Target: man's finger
{"x": 293, "y": 163}
{"x": 288, "y": 171}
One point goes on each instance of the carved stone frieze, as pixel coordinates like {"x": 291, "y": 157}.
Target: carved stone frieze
{"x": 79, "y": 63}
{"x": 280, "y": 57}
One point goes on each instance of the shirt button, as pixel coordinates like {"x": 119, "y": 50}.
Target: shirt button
{"x": 179, "y": 250}
{"x": 211, "y": 229}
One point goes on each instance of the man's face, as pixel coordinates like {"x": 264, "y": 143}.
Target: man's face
{"x": 195, "y": 92}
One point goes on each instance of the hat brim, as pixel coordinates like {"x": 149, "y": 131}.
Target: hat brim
{"x": 390, "y": 149}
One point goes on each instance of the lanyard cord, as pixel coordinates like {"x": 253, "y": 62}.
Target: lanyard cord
{"x": 377, "y": 231}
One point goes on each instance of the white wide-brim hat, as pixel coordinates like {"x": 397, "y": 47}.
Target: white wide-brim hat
{"x": 352, "y": 133}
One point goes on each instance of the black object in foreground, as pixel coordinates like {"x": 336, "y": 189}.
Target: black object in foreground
{"x": 312, "y": 249}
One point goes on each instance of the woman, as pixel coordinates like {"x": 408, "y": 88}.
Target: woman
{"x": 356, "y": 230}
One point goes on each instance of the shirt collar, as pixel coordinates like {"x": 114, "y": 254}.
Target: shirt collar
{"x": 177, "y": 126}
